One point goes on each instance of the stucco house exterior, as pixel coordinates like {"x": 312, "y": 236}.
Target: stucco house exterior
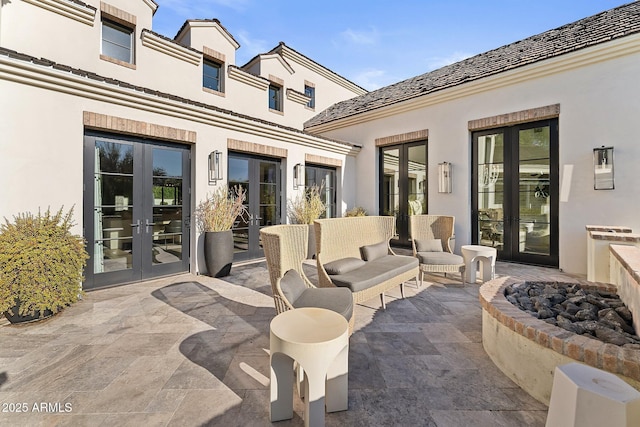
{"x": 517, "y": 127}
{"x": 127, "y": 125}
{"x": 134, "y": 128}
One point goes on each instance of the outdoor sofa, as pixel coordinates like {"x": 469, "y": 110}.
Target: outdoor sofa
{"x": 354, "y": 253}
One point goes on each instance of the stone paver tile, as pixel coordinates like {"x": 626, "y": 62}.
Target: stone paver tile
{"x": 208, "y": 407}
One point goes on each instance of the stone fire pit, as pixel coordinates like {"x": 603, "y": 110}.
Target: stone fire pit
{"x": 528, "y": 349}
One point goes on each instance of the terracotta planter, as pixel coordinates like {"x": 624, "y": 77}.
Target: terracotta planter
{"x": 218, "y": 252}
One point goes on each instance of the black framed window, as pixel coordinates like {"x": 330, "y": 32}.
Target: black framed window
{"x": 325, "y": 179}
{"x": 310, "y": 91}
{"x": 275, "y": 97}
{"x": 117, "y": 41}
{"x": 212, "y": 75}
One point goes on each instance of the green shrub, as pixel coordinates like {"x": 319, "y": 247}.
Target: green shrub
{"x": 356, "y": 211}
{"x": 41, "y": 262}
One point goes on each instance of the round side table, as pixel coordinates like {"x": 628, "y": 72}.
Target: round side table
{"x": 318, "y": 339}
{"x": 485, "y": 256}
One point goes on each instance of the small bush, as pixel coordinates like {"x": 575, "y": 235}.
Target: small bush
{"x": 306, "y": 208}
{"x": 220, "y": 210}
{"x": 356, "y": 211}
{"x": 41, "y": 262}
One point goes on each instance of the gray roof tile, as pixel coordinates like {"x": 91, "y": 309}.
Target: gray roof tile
{"x": 612, "y": 24}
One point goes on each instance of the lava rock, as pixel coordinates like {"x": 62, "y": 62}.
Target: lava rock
{"x": 610, "y": 336}
{"x": 610, "y": 315}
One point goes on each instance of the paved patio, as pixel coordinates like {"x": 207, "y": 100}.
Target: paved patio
{"x": 193, "y": 350}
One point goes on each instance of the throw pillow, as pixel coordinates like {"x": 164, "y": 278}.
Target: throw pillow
{"x": 429, "y": 245}
{"x": 371, "y": 252}
{"x": 344, "y": 265}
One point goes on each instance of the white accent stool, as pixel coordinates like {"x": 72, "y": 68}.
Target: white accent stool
{"x": 588, "y": 397}
{"x": 318, "y": 339}
{"x": 477, "y": 254}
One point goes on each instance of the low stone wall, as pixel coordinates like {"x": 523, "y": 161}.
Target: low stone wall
{"x": 624, "y": 266}
{"x": 528, "y": 350}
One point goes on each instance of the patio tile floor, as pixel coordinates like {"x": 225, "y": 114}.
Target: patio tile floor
{"x": 193, "y": 350}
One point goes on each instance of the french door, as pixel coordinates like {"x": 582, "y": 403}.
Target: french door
{"x": 261, "y": 178}
{"x": 515, "y": 192}
{"x": 403, "y": 185}
{"x": 136, "y": 209}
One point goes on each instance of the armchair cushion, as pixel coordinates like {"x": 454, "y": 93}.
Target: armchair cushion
{"x": 344, "y": 265}
{"x": 439, "y": 258}
{"x": 428, "y": 245}
{"x": 339, "y": 300}
{"x": 292, "y": 286}
{"x": 373, "y": 252}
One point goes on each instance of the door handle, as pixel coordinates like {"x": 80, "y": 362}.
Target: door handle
{"x": 147, "y": 224}
{"x": 137, "y": 226}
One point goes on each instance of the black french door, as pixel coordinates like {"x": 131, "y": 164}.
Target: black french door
{"x": 136, "y": 209}
{"x": 515, "y": 192}
{"x": 403, "y": 185}
{"x": 261, "y": 178}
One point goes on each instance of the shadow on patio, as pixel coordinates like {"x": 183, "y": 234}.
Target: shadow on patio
{"x": 192, "y": 350}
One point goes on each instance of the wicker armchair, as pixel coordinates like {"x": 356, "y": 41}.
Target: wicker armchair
{"x": 285, "y": 248}
{"x": 425, "y": 229}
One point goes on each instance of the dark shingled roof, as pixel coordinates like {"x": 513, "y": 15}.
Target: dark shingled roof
{"x": 610, "y": 25}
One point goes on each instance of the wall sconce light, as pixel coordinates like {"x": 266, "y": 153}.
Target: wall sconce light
{"x": 215, "y": 167}
{"x": 444, "y": 177}
{"x": 298, "y": 175}
{"x": 603, "y": 168}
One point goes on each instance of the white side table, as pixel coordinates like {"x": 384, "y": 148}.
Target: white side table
{"x": 477, "y": 254}
{"x": 318, "y": 339}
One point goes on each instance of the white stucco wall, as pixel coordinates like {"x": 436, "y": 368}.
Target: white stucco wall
{"x": 158, "y": 68}
{"x": 599, "y": 102}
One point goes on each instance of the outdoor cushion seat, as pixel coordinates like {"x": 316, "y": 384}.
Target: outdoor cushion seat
{"x": 374, "y": 272}
{"x": 439, "y": 258}
{"x": 338, "y": 300}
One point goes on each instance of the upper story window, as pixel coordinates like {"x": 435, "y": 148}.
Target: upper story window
{"x": 275, "y": 97}
{"x": 117, "y": 41}
{"x": 212, "y": 75}
{"x": 310, "y": 91}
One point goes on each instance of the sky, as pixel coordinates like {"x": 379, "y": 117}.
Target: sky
{"x": 376, "y": 43}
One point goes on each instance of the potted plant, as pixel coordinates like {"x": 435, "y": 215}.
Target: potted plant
{"x": 305, "y": 209}
{"x": 215, "y": 216}
{"x": 41, "y": 264}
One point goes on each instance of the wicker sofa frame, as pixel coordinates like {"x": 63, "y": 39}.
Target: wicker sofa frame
{"x": 339, "y": 238}
{"x": 285, "y": 248}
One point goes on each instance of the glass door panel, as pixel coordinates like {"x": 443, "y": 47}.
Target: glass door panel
{"x": 417, "y": 179}
{"x": 490, "y": 190}
{"x": 113, "y": 207}
{"x": 239, "y": 176}
{"x": 261, "y": 179}
{"x": 166, "y": 226}
{"x": 534, "y": 213}
{"x": 515, "y": 192}
{"x": 404, "y": 185}
{"x": 135, "y": 213}
{"x": 391, "y": 183}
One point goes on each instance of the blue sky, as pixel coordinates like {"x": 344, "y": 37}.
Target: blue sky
{"x": 376, "y": 43}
